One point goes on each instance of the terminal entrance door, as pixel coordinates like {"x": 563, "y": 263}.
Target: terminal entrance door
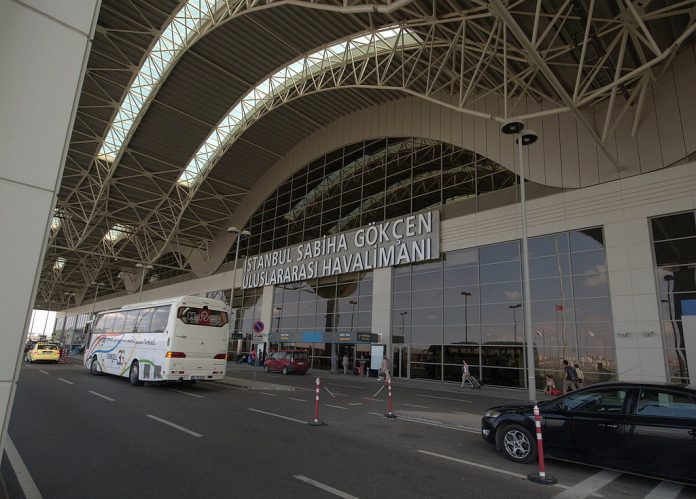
{"x": 400, "y": 356}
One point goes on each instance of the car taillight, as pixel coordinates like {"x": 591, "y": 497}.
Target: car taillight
{"x": 176, "y": 355}
{"x": 220, "y": 356}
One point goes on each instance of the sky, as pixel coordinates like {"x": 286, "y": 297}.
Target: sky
{"x": 41, "y": 322}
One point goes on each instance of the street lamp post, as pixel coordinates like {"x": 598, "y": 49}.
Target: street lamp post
{"x": 466, "y": 296}
{"x": 352, "y": 314}
{"x": 143, "y": 269}
{"x": 525, "y": 138}
{"x": 240, "y": 233}
{"x": 514, "y": 317}
{"x": 94, "y": 301}
{"x": 67, "y": 295}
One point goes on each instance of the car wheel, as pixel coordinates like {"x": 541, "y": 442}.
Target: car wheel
{"x": 268, "y": 369}
{"x": 516, "y": 443}
{"x": 285, "y": 370}
{"x": 94, "y": 367}
{"x": 134, "y": 375}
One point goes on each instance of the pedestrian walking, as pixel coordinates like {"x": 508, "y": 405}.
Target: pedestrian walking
{"x": 465, "y": 373}
{"x": 384, "y": 370}
{"x": 579, "y": 376}
{"x": 569, "y": 377}
{"x": 344, "y": 363}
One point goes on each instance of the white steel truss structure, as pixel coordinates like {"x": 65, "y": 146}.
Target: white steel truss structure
{"x": 121, "y": 205}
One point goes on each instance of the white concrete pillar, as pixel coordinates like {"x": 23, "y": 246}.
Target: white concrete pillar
{"x": 44, "y": 46}
{"x": 382, "y": 307}
{"x": 634, "y": 300}
{"x": 267, "y": 314}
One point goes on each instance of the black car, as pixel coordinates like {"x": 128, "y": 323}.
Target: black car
{"x": 642, "y": 428}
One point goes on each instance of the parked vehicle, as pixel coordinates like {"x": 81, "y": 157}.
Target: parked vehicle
{"x": 178, "y": 339}
{"x": 44, "y": 352}
{"x": 288, "y": 361}
{"x": 641, "y": 428}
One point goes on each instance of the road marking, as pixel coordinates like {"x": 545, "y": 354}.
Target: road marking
{"x": 66, "y": 381}
{"x": 354, "y": 403}
{"x": 297, "y": 400}
{"x": 169, "y": 423}
{"x": 278, "y": 416}
{"x": 325, "y": 487}
{"x": 414, "y": 405}
{"x": 267, "y": 394}
{"x": 355, "y": 387}
{"x": 442, "y": 398}
{"x": 42, "y": 371}
{"x": 336, "y": 407}
{"x": 491, "y": 468}
{"x": 588, "y": 486}
{"x": 102, "y": 396}
{"x": 431, "y": 423}
{"x": 187, "y": 393}
{"x": 31, "y": 491}
{"x": 665, "y": 490}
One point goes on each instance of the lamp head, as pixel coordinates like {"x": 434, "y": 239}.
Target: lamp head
{"x": 232, "y": 230}
{"x": 528, "y": 137}
{"x": 512, "y": 127}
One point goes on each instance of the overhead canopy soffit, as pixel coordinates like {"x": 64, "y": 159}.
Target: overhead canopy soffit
{"x": 169, "y": 90}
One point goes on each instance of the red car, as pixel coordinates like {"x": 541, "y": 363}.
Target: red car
{"x": 287, "y": 361}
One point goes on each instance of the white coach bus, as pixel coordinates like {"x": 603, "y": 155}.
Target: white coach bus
{"x": 179, "y": 339}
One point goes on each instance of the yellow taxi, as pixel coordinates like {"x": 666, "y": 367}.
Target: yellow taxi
{"x": 43, "y": 352}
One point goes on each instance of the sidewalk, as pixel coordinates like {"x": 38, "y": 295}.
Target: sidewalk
{"x": 240, "y": 375}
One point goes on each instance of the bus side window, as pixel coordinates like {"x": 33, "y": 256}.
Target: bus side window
{"x": 142, "y": 325}
{"x": 129, "y": 323}
{"x": 119, "y": 320}
{"x": 160, "y": 319}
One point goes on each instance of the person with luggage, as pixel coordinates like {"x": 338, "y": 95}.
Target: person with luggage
{"x": 550, "y": 387}
{"x": 467, "y": 376}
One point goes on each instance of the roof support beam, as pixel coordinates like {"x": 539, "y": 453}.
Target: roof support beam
{"x": 534, "y": 55}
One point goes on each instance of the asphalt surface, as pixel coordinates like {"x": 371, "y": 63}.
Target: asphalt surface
{"x": 82, "y": 436}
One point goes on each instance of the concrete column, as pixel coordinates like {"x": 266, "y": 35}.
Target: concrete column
{"x": 44, "y": 46}
{"x": 634, "y": 300}
{"x": 382, "y": 307}
{"x": 267, "y": 313}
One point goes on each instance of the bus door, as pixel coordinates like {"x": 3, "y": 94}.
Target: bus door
{"x": 400, "y": 354}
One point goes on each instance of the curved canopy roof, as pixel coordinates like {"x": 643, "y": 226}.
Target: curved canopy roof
{"x": 187, "y": 104}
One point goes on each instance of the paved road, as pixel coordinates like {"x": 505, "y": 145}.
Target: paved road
{"x": 82, "y": 436}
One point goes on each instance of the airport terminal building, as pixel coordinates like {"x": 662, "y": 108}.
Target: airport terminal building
{"x": 353, "y": 186}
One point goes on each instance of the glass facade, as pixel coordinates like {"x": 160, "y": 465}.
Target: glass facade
{"x": 674, "y": 245}
{"x": 469, "y": 306}
{"x": 339, "y": 304}
{"x": 370, "y": 181}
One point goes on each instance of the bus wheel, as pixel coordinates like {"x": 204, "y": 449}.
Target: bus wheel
{"x": 134, "y": 375}
{"x": 94, "y": 367}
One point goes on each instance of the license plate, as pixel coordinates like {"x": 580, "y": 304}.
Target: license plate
{"x": 197, "y": 377}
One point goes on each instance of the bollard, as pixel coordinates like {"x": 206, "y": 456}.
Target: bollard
{"x": 316, "y": 421}
{"x": 540, "y": 477}
{"x": 390, "y": 414}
